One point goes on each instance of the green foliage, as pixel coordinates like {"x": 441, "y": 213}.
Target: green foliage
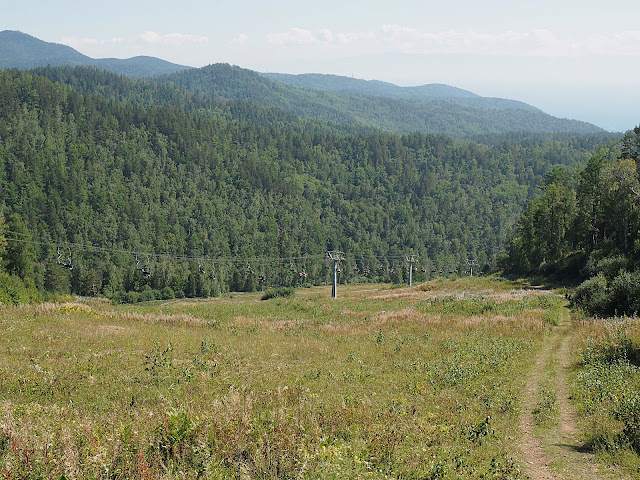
{"x": 607, "y": 388}
{"x": 20, "y": 253}
{"x": 96, "y": 159}
{"x": 620, "y": 296}
{"x": 609, "y": 267}
{"x": 588, "y": 224}
{"x": 546, "y": 409}
{"x": 628, "y": 412}
{"x": 592, "y": 296}
{"x": 3, "y": 238}
{"x": 624, "y": 294}
{"x": 456, "y": 115}
{"x": 278, "y": 292}
{"x": 14, "y": 290}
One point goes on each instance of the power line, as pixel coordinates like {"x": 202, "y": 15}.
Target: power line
{"x": 363, "y": 260}
{"x": 34, "y": 240}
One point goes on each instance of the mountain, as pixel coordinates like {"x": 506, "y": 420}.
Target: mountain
{"x": 376, "y": 88}
{"x": 22, "y": 51}
{"x": 340, "y": 100}
{"x": 328, "y": 98}
{"x": 99, "y": 167}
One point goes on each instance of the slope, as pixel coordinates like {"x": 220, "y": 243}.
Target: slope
{"x": 22, "y": 51}
{"x": 449, "y": 116}
{"x": 215, "y": 182}
{"x": 375, "y": 88}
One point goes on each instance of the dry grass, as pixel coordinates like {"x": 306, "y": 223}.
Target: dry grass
{"x": 376, "y": 384}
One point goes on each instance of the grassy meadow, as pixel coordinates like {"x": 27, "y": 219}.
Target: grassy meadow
{"x": 382, "y": 382}
{"x": 606, "y": 389}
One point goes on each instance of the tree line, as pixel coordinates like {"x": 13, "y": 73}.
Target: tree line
{"x": 585, "y": 227}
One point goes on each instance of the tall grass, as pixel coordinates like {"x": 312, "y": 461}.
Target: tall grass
{"x": 379, "y": 383}
{"x": 607, "y": 388}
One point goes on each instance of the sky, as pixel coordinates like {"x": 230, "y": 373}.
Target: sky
{"x": 575, "y": 59}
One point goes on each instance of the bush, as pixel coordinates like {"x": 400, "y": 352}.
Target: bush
{"x": 592, "y": 296}
{"x": 624, "y": 293}
{"x": 131, "y": 297}
{"x": 628, "y": 412}
{"x": 147, "y": 294}
{"x": 279, "y": 292}
{"x": 609, "y": 267}
{"x": 14, "y": 290}
{"x": 167, "y": 293}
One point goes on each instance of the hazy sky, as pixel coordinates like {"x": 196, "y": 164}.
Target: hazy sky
{"x": 571, "y": 58}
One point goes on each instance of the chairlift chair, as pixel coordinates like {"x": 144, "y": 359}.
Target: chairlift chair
{"x": 65, "y": 264}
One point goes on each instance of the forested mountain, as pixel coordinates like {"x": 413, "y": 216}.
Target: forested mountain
{"x": 19, "y": 50}
{"x": 585, "y": 224}
{"x": 196, "y": 186}
{"x": 375, "y": 88}
{"x": 427, "y": 109}
{"x": 457, "y": 116}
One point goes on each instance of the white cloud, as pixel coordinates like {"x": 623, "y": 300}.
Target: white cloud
{"x": 172, "y": 39}
{"x": 145, "y": 38}
{"x": 241, "y": 39}
{"x": 623, "y": 43}
{"x": 394, "y": 38}
{"x": 296, "y": 36}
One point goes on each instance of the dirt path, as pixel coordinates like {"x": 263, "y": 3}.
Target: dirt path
{"x": 555, "y": 452}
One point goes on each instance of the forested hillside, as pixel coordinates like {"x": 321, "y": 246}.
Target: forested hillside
{"x": 436, "y": 115}
{"x": 374, "y": 88}
{"x": 112, "y": 192}
{"x": 585, "y": 225}
{"x": 440, "y": 109}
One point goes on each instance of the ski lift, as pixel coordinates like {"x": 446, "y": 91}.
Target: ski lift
{"x": 212, "y": 272}
{"x": 366, "y": 271}
{"x": 144, "y": 269}
{"x": 303, "y": 275}
{"x": 262, "y": 277}
{"x": 65, "y": 264}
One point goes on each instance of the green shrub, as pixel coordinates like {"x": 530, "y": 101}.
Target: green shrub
{"x": 279, "y": 292}
{"x": 147, "y": 294}
{"x": 167, "y": 293}
{"x": 14, "y": 290}
{"x": 628, "y": 412}
{"x": 609, "y": 267}
{"x": 624, "y": 293}
{"x": 592, "y": 296}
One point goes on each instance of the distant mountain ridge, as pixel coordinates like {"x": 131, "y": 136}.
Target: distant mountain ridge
{"x": 340, "y": 84}
{"x": 22, "y": 51}
{"x": 435, "y": 108}
{"x": 342, "y": 100}
{"x": 376, "y": 88}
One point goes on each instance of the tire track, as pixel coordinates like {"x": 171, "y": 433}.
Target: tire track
{"x": 558, "y": 454}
